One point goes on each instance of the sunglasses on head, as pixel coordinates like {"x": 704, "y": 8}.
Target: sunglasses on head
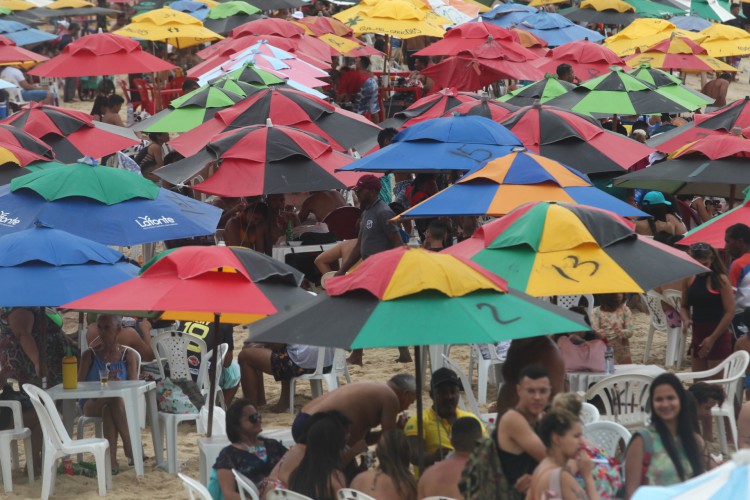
{"x": 255, "y": 418}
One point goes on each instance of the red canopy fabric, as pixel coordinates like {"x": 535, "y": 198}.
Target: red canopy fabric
{"x": 10, "y": 53}
{"x": 471, "y": 35}
{"x": 466, "y": 72}
{"x": 588, "y": 59}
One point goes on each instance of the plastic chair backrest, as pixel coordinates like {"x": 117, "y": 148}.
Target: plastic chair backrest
{"x": 195, "y": 490}
{"x": 589, "y": 414}
{"x": 653, "y": 300}
{"x": 146, "y": 91}
{"x": 52, "y": 426}
{"x": 203, "y": 379}
{"x": 339, "y": 361}
{"x": 137, "y": 358}
{"x": 568, "y": 301}
{"x": 280, "y": 493}
{"x": 246, "y": 487}
{"x": 624, "y": 397}
{"x": 342, "y": 222}
{"x": 607, "y": 436}
{"x": 350, "y": 494}
{"x": 320, "y": 363}
{"x": 173, "y": 346}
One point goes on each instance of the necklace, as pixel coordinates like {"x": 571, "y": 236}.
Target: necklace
{"x": 259, "y": 450}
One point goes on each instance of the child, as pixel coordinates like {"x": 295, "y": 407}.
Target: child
{"x": 613, "y": 321}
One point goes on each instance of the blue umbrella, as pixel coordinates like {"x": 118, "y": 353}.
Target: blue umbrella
{"x": 690, "y": 23}
{"x": 42, "y": 266}
{"x": 169, "y": 216}
{"x": 558, "y": 30}
{"x": 22, "y": 34}
{"x": 508, "y": 14}
{"x": 196, "y": 9}
{"x": 460, "y": 143}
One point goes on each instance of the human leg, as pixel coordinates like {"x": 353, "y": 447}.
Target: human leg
{"x": 230, "y": 381}
{"x": 253, "y": 362}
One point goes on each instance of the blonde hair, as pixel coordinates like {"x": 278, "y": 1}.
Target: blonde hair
{"x": 567, "y": 401}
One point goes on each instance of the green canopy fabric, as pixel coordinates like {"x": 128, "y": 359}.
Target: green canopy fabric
{"x": 706, "y": 10}
{"x": 670, "y": 85}
{"x": 233, "y": 8}
{"x": 647, "y": 8}
{"x": 543, "y": 90}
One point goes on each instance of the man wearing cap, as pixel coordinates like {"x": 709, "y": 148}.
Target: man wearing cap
{"x": 437, "y": 421}
{"x": 661, "y": 216}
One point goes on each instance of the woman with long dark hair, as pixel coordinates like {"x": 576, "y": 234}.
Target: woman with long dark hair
{"x": 392, "y": 478}
{"x": 662, "y": 216}
{"x": 668, "y": 451}
{"x": 319, "y": 474}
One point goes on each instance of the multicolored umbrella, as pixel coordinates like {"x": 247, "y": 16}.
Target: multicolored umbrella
{"x": 562, "y": 249}
{"x": 229, "y": 15}
{"x": 644, "y": 33}
{"x": 557, "y": 30}
{"x": 69, "y": 8}
{"x": 24, "y": 147}
{"x": 679, "y": 53}
{"x": 18, "y": 56}
{"x": 669, "y": 84}
{"x": 470, "y": 36}
{"x": 264, "y": 159}
{"x": 496, "y": 111}
{"x": 428, "y": 107}
{"x": 22, "y": 34}
{"x": 170, "y": 26}
{"x": 613, "y": 12}
{"x": 725, "y": 41}
{"x": 456, "y": 143}
{"x": 576, "y": 140}
{"x": 505, "y": 183}
{"x": 196, "y": 9}
{"x": 543, "y": 90}
{"x": 587, "y": 59}
{"x": 342, "y": 129}
{"x": 399, "y": 18}
{"x": 713, "y": 230}
{"x": 710, "y": 9}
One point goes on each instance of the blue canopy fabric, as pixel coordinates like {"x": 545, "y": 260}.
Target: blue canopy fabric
{"x": 558, "y": 30}
{"x": 690, "y": 23}
{"x": 196, "y": 9}
{"x": 508, "y": 15}
{"x": 22, "y": 34}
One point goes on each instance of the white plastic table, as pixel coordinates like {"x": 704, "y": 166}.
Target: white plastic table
{"x": 129, "y": 391}
{"x": 581, "y": 381}
{"x": 280, "y": 252}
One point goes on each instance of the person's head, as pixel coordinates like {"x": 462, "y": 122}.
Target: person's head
{"x": 255, "y": 214}
{"x": 726, "y": 76}
{"x": 656, "y": 205}
{"x": 385, "y": 136}
{"x": 242, "y": 421}
{"x": 706, "y": 397}
{"x": 565, "y": 73}
{"x": 445, "y": 391}
{"x": 74, "y": 28}
{"x": 706, "y": 255}
{"x": 426, "y": 183}
{"x": 610, "y": 302}
{"x": 114, "y": 103}
{"x": 421, "y": 62}
{"x": 108, "y": 326}
{"x": 362, "y": 63}
{"x": 568, "y": 401}
{"x": 316, "y": 417}
{"x": 158, "y": 137}
{"x": 465, "y": 432}
{"x": 639, "y": 135}
{"x": 325, "y": 444}
{"x": 189, "y": 85}
{"x": 405, "y": 387}
{"x": 737, "y": 240}
{"x": 276, "y": 202}
{"x": 379, "y": 44}
{"x": 436, "y": 231}
{"x": 561, "y": 431}
{"x": 367, "y": 189}
{"x": 734, "y": 9}
{"x": 533, "y": 389}
{"x": 393, "y": 459}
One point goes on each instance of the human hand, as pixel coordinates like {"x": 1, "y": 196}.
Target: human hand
{"x": 523, "y": 483}
{"x": 585, "y": 465}
{"x": 687, "y": 325}
{"x": 401, "y": 420}
{"x": 705, "y": 347}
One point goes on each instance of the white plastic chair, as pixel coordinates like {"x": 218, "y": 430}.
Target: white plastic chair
{"x": 487, "y": 418}
{"x": 173, "y": 346}
{"x": 438, "y": 498}
{"x": 316, "y": 378}
{"x": 658, "y": 321}
{"x": 732, "y": 371}
{"x": 280, "y": 493}
{"x": 195, "y": 490}
{"x": 589, "y": 414}
{"x": 9, "y": 446}
{"x": 57, "y": 444}
{"x": 607, "y": 436}
{"x": 624, "y": 397}
{"x": 568, "y": 301}
{"x": 350, "y": 494}
{"x": 246, "y": 487}
{"x": 485, "y": 369}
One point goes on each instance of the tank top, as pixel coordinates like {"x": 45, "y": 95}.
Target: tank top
{"x": 118, "y": 370}
{"x": 706, "y": 304}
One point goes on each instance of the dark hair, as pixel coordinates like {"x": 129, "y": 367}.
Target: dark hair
{"x": 658, "y": 211}
{"x": 379, "y": 44}
{"x": 420, "y": 179}
{"x": 325, "y": 442}
{"x": 396, "y": 207}
{"x": 258, "y": 208}
{"x": 532, "y": 372}
{"x": 738, "y": 232}
{"x": 172, "y": 157}
{"x": 726, "y": 76}
{"x": 393, "y": 458}
{"x": 609, "y": 302}
{"x": 115, "y": 100}
{"x": 684, "y": 427}
{"x": 556, "y": 421}
{"x": 465, "y": 432}
{"x": 317, "y": 417}
{"x": 364, "y": 61}
{"x": 438, "y": 229}
{"x": 564, "y": 69}
{"x": 100, "y": 102}
{"x": 702, "y": 250}
{"x": 423, "y": 59}
{"x": 106, "y": 87}
{"x": 233, "y": 419}
{"x": 189, "y": 85}
{"x": 704, "y": 391}
{"x": 386, "y": 135}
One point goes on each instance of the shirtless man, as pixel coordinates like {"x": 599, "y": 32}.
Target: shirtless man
{"x": 366, "y": 405}
{"x": 441, "y": 479}
{"x": 320, "y": 204}
{"x": 128, "y": 336}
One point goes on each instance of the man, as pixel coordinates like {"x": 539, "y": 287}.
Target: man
{"x": 367, "y": 405}
{"x": 385, "y": 137}
{"x": 521, "y": 449}
{"x": 320, "y": 204}
{"x": 717, "y": 90}
{"x": 438, "y": 420}
{"x": 230, "y": 375}
{"x": 434, "y": 235}
{"x": 366, "y": 102}
{"x": 441, "y": 479}
{"x": 29, "y": 92}
{"x": 128, "y": 336}
{"x": 565, "y": 73}
{"x": 189, "y": 85}
{"x": 416, "y": 78}
{"x": 737, "y": 244}
{"x": 737, "y": 22}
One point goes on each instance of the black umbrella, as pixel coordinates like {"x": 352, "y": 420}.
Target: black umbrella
{"x": 224, "y": 26}
{"x": 43, "y": 13}
{"x": 277, "y": 4}
{"x": 608, "y": 16}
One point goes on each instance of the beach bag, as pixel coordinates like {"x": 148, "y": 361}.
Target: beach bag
{"x": 180, "y": 397}
{"x": 585, "y": 357}
{"x": 483, "y": 477}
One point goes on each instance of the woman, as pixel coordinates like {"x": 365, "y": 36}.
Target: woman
{"x": 392, "y": 478}
{"x": 106, "y": 354}
{"x": 150, "y": 157}
{"x": 247, "y": 228}
{"x": 668, "y": 451}
{"x": 319, "y": 475}
{"x": 562, "y": 434}
{"x": 661, "y": 216}
{"x": 249, "y": 454}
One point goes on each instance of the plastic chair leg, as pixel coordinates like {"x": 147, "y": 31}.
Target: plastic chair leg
{"x": 482, "y": 381}
{"x": 292, "y": 387}
{"x": 647, "y": 350}
{"x": 103, "y": 469}
{"x": 172, "y": 445}
{"x": 721, "y": 430}
{"x": 6, "y": 466}
{"x": 48, "y": 475}
{"x": 29, "y": 463}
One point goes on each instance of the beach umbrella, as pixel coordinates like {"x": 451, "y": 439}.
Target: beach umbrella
{"x": 710, "y": 9}
{"x": 67, "y": 8}
{"x": 264, "y": 159}
{"x": 587, "y": 59}
{"x": 316, "y": 51}
{"x": 473, "y": 72}
{"x": 337, "y": 35}
{"x": 17, "y": 56}
{"x": 342, "y": 129}
{"x": 196, "y": 9}
{"x": 229, "y": 15}
{"x": 507, "y": 15}
{"x": 71, "y": 134}
{"x": 428, "y": 107}
{"x": 170, "y": 26}
{"x": 505, "y": 183}
{"x": 679, "y": 53}
{"x": 531, "y": 41}
{"x": 725, "y": 41}
{"x": 712, "y": 166}
{"x": 495, "y": 110}
{"x": 455, "y": 16}
{"x": 647, "y": 8}
{"x": 618, "y": 93}
{"x": 557, "y": 30}
{"x": 543, "y": 90}
{"x": 267, "y": 5}
{"x": 456, "y": 143}
{"x": 17, "y": 5}
{"x": 24, "y": 147}
{"x": 669, "y": 84}
{"x": 713, "y": 230}
{"x": 643, "y": 33}
{"x": 562, "y": 249}
{"x": 399, "y": 18}
{"x": 474, "y": 35}
{"x": 690, "y": 23}
{"x": 22, "y": 34}
{"x": 101, "y": 54}
{"x": 613, "y": 12}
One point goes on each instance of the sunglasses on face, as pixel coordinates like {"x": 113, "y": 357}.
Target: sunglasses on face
{"x": 254, "y": 418}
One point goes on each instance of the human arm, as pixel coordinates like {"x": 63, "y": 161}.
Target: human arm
{"x": 571, "y": 490}
{"x": 627, "y": 323}
{"x": 352, "y": 259}
{"x": 633, "y": 466}
{"x": 324, "y": 260}
{"x": 130, "y": 338}
{"x": 232, "y": 234}
{"x": 228, "y": 484}
{"x": 395, "y": 239}
{"x": 304, "y": 210}
{"x": 429, "y": 457}
{"x": 155, "y": 151}
{"x": 699, "y": 205}
{"x": 727, "y": 302}
{"x": 131, "y": 364}
{"x": 338, "y": 481}
{"x": 21, "y": 323}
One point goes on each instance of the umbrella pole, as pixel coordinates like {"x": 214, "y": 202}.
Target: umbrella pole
{"x": 212, "y": 375}
{"x": 420, "y": 410}
{"x": 43, "y": 346}
{"x": 732, "y": 194}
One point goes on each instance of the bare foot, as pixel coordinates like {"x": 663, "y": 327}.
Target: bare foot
{"x": 278, "y": 408}
{"x": 354, "y": 360}
{"x": 404, "y": 359}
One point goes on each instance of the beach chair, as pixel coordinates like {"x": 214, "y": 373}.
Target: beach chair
{"x": 568, "y": 301}
{"x": 57, "y": 444}
{"x": 338, "y": 368}
{"x": 623, "y": 397}
{"x": 247, "y": 488}
{"x": 196, "y": 491}
{"x": 589, "y": 414}
{"x": 486, "y": 368}
{"x": 280, "y": 493}
{"x": 607, "y": 436}
{"x": 732, "y": 372}
{"x": 342, "y": 222}
{"x": 9, "y": 439}
{"x": 350, "y": 494}
{"x": 487, "y": 418}
{"x": 658, "y": 321}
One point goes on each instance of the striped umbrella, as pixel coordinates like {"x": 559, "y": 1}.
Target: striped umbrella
{"x": 679, "y": 53}
{"x": 545, "y": 89}
{"x": 669, "y": 84}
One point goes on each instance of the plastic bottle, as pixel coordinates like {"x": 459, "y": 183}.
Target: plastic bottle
{"x": 289, "y": 235}
{"x": 609, "y": 359}
{"x": 70, "y": 370}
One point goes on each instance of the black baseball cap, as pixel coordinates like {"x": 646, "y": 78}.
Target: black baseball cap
{"x": 444, "y": 376}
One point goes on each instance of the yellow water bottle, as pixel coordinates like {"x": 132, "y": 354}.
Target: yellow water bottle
{"x": 70, "y": 370}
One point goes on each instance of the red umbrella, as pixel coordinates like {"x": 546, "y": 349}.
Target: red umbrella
{"x": 10, "y": 53}
{"x": 532, "y": 42}
{"x": 469, "y": 36}
{"x": 432, "y": 106}
{"x": 24, "y": 146}
{"x": 71, "y": 134}
{"x": 101, "y": 54}
{"x": 712, "y": 231}
{"x": 588, "y": 59}
{"x": 494, "y": 110}
{"x": 321, "y": 25}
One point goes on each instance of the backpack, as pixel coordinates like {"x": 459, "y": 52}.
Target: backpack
{"x": 483, "y": 477}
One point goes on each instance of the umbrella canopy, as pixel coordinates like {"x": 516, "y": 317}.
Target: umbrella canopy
{"x": 587, "y": 59}
{"x": 679, "y": 53}
{"x": 262, "y": 159}
{"x": 196, "y": 9}
{"x": 712, "y": 231}
{"x": 495, "y": 110}
{"x": 71, "y": 134}
{"x": 562, "y": 249}
{"x": 169, "y": 26}
{"x": 543, "y": 90}
{"x": 604, "y": 12}
{"x": 647, "y": 8}
{"x": 557, "y": 30}
{"x": 456, "y": 143}
{"x": 267, "y": 5}
{"x": 101, "y": 54}
{"x": 22, "y": 34}
{"x": 18, "y": 56}
{"x": 229, "y": 15}
{"x": 16, "y": 5}
{"x": 322, "y": 25}
{"x": 24, "y": 147}
{"x": 618, "y": 93}
{"x": 710, "y": 9}
{"x": 576, "y": 140}
{"x": 507, "y": 15}
{"x": 428, "y": 107}
{"x": 471, "y": 73}
{"x": 669, "y": 84}
{"x": 399, "y": 18}
{"x": 67, "y": 8}
{"x": 505, "y": 183}
{"x": 690, "y": 23}
{"x": 337, "y": 35}
{"x": 643, "y": 33}
{"x": 725, "y": 41}
{"x": 342, "y": 129}
{"x": 56, "y": 267}
{"x": 470, "y": 36}
{"x": 317, "y": 52}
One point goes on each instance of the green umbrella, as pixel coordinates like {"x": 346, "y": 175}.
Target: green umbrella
{"x": 545, "y": 89}
{"x": 669, "y": 85}
{"x": 234, "y": 85}
{"x": 249, "y": 73}
{"x": 618, "y": 93}
{"x": 647, "y": 8}
{"x": 709, "y": 10}
{"x": 104, "y": 184}
{"x": 226, "y": 16}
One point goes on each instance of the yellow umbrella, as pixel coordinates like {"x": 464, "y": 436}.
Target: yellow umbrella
{"x": 210, "y": 3}
{"x": 17, "y": 4}
{"x": 725, "y": 41}
{"x": 680, "y": 54}
{"x": 600, "y": 5}
{"x": 540, "y": 3}
{"x": 170, "y": 26}
{"x": 69, "y": 4}
{"x": 642, "y": 34}
{"x": 399, "y": 18}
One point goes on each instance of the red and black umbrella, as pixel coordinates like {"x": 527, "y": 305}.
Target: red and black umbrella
{"x": 577, "y": 140}
{"x": 71, "y": 134}
{"x": 588, "y": 59}
{"x": 431, "y": 106}
{"x": 496, "y": 111}
{"x": 263, "y": 159}
{"x": 342, "y": 129}
{"x": 25, "y": 147}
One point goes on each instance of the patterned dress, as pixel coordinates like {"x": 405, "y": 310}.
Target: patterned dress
{"x": 617, "y": 328}
{"x": 661, "y": 470}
